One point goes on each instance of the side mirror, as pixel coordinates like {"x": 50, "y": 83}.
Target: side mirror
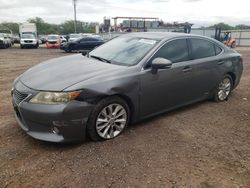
{"x": 160, "y": 63}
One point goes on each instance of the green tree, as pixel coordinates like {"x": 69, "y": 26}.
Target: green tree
{"x": 223, "y": 26}
{"x": 14, "y": 27}
{"x": 242, "y": 26}
{"x": 43, "y": 27}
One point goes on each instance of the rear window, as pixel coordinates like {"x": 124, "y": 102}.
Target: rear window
{"x": 202, "y": 48}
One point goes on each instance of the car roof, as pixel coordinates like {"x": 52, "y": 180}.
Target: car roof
{"x": 161, "y": 35}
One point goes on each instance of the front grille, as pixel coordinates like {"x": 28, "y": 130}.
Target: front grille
{"x": 52, "y": 42}
{"x": 18, "y": 96}
{"x": 28, "y": 41}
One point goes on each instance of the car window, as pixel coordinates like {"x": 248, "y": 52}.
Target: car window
{"x": 217, "y": 49}
{"x": 87, "y": 40}
{"x": 93, "y": 39}
{"x": 84, "y": 40}
{"x": 125, "y": 50}
{"x": 202, "y": 48}
{"x": 175, "y": 51}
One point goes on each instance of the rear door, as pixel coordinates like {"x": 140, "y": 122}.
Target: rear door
{"x": 205, "y": 60}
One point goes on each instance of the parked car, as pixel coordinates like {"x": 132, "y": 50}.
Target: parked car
{"x": 17, "y": 39}
{"x": 5, "y": 42}
{"x": 74, "y": 36}
{"x": 43, "y": 39}
{"x": 129, "y": 78}
{"x": 83, "y": 44}
{"x": 63, "y": 39}
{"x": 53, "y": 41}
{"x": 10, "y": 38}
{"x": 29, "y": 40}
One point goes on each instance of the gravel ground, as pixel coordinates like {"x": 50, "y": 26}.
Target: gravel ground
{"x": 204, "y": 145}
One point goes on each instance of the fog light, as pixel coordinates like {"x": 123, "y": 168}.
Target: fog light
{"x": 55, "y": 130}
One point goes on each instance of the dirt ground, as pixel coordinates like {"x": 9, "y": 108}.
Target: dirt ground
{"x": 205, "y": 145}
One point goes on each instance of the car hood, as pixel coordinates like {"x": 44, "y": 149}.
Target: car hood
{"x": 61, "y": 73}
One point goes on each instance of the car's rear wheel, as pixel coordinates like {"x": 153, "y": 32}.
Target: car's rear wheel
{"x": 224, "y": 89}
{"x": 108, "y": 119}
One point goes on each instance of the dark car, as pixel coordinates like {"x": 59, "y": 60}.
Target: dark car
{"x": 127, "y": 79}
{"x": 84, "y": 44}
{"x": 43, "y": 39}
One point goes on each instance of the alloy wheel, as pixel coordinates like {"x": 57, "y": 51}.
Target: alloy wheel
{"x": 111, "y": 121}
{"x": 224, "y": 89}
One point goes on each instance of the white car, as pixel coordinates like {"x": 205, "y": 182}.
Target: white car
{"x": 29, "y": 40}
{"x": 5, "y": 40}
{"x": 63, "y": 39}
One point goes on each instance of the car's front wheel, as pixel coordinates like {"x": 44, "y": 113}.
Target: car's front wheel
{"x": 108, "y": 119}
{"x": 224, "y": 89}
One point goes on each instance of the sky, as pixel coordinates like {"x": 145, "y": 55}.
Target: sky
{"x": 199, "y": 12}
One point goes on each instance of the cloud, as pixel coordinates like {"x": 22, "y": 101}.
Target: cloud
{"x": 57, "y": 11}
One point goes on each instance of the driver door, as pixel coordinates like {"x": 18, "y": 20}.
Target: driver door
{"x": 171, "y": 87}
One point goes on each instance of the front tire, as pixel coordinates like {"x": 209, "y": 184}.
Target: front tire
{"x": 224, "y": 89}
{"x": 108, "y": 119}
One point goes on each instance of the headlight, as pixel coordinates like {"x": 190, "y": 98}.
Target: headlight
{"x": 54, "y": 97}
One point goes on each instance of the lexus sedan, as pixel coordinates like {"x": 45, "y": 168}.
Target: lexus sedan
{"x": 129, "y": 78}
{"x": 85, "y": 44}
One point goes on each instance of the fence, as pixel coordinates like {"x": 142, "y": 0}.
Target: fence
{"x": 242, "y": 36}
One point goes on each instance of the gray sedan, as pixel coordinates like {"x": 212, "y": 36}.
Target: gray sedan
{"x": 129, "y": 78}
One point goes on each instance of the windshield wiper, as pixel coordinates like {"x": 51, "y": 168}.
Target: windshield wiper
{"x": 101, "y": 59}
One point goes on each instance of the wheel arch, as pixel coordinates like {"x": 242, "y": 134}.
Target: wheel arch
{"x": 233, "y": 76}
{"x": 129, "y": 102}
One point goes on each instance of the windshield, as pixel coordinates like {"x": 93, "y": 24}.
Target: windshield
{"x": 74, "y": 35}
{"x": 124, "y": 50}
{"x": 28, "y": 36}
{"x": 1, "y": 35}
{"x": 52, "y": 37}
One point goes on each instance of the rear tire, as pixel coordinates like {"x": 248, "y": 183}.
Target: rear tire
{"x": 233, "y": 45}
{"x": 223, "y": 89}
{"x": 108, "y": 119}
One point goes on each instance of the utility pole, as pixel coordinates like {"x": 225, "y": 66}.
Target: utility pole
{"x": 74, "y": 3}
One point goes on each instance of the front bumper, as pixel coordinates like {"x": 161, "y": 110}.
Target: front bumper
{"x": 54, "y": 123}
{"x": 28, "y": 43}
{"x": 56, "y": 45}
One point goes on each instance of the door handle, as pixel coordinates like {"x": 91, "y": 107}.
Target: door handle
{"x": 220, "y": 62}
{"x": 187, "y": 69}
